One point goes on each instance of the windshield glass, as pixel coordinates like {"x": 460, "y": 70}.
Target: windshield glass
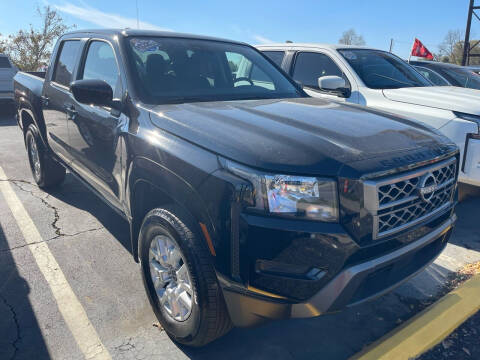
{"x": 176, "y": 70}
{"x": 382, "y": 70}
{"x": 463, "y": 77}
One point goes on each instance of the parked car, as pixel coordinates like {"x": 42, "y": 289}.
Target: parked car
{"x": 7, "y": 71}
{"x": 474, "y": 68}
{"x": 381, "y": 80}
{"x": 442, "y": 74}
{"x": 247, "y": 199}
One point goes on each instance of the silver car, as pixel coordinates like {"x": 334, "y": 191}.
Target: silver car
{"x": 7, "y": 71}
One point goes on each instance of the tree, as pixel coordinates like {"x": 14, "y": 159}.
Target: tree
{"x": 350, "y": 37}
{"x": 452, "y": 46}
{"x": 31, "y": 48}
{"x": 3, "y": 45}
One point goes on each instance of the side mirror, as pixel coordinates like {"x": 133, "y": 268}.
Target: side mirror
{"x": 334, "y": 84}
{"x": 96, "y": 92}
{"x": 331, "y": 82}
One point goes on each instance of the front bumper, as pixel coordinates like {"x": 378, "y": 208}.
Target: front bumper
{"x": 470, "y": 170}
{"x": 351, "y": 286}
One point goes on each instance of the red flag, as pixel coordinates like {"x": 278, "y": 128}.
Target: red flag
{"x": 420, "y": 50}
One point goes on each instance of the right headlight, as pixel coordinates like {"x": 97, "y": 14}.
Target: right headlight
{"x": 293, "y": 196}
{"x": 469, "y": 117}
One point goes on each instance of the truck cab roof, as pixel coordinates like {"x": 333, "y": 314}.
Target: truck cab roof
{"x": 136, "y": 32}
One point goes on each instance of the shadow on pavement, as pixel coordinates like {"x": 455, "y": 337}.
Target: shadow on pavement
{"x": 20, "y": 335}
{"x": 74, "y": 193}
{"x": 6, "y": 114}
{"x": 467, "y": 230}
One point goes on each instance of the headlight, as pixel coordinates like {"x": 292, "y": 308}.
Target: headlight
{"x": 294, "y": 196}
{"x": 469, "y": 117}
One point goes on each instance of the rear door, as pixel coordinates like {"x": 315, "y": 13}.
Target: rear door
{"x": 308, "y": 66}
{"x": 57, "y": 104}
{"x": 94, "y": 130}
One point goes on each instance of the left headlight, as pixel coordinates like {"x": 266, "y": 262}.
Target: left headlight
{"x": 469, "y": 117}
{"x": 294, "y": 196}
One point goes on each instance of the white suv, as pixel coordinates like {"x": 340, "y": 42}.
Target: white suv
{"x": 7, "y": 72}
{"x": 382, "y": 80}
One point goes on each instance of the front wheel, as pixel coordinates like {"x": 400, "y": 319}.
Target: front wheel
{"x": 180, "y": 280}
{"x": 46, "y": 171}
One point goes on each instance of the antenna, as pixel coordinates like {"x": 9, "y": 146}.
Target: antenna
{"x": 136, "y": 5}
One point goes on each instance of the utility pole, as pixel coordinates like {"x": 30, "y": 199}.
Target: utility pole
{"x": 467, "y": 48}
{"x": 391, "y": 45}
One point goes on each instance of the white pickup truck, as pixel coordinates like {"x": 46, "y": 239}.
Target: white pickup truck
{"x": 382, "y": 80}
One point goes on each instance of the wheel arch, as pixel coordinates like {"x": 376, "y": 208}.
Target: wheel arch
{"x": 27, "y": 116}
{"x": 150, "y": 186}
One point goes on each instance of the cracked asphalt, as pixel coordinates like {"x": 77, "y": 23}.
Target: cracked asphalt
{"x": 91, "y": 245}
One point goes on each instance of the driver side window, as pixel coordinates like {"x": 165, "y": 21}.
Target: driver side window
{"x": 310, "y": 66}
{"x": 245, "y": 73}
{"x": 100, "y": 64}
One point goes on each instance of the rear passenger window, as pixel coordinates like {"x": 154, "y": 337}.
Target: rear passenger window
{"x": 275, "y": 56}
{"x": 66, "y": 62}
{"x": 100, "y": 64}
{"x": 4, "y": 63}
{"x": 310, "y": 66}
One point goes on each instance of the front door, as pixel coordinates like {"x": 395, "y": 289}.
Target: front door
{"x": 94, "y": 130}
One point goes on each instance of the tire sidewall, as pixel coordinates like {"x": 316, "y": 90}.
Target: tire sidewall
{"x": 32, "y": 133}
{"x": 184, "y": 330}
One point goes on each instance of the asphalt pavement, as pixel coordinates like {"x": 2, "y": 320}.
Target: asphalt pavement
{"x": 90, "y": 244}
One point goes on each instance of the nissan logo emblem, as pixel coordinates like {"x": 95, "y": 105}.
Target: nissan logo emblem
{"x": 427, "y": 187}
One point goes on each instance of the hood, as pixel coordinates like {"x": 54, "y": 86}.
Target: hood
{"x": 441, "y": 97}
{"x": 298, "y": 136}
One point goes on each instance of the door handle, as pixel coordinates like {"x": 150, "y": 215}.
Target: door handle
{"x": 72, "y": 113}
{"x": 44, "y": 100}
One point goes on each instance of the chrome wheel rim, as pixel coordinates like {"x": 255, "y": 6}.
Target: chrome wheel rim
{"x": 34, "y": 157}
{"x": 170, "y": 278}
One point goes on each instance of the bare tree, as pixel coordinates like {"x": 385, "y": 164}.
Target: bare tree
{"x": 31, "y": 48}
{"x": 350, "y": 37}
{"x": 452, "y": 47}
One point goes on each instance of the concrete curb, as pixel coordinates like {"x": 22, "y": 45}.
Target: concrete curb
{"x": 429, "y": 327}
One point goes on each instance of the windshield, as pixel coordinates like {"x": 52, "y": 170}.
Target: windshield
{"x": 382, "y": 70}
{"x": 176, "y": 70}
{"x": 462, "y": 77}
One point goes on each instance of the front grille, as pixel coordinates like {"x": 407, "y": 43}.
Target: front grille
{"x": 397, "y": 203}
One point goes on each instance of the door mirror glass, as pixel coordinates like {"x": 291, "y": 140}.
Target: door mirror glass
{"x": 92, "y": 92}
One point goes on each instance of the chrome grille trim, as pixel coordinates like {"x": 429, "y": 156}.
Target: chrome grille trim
{"x": 386, "y": 196}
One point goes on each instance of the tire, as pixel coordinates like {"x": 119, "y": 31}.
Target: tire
{"x": 46, "y": 172}
{"x": 208, "y": 319}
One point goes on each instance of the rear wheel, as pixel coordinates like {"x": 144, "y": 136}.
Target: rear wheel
{"x": 46, "y": 171}
{"x": 180, "y": 280}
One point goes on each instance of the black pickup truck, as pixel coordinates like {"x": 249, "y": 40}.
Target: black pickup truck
{"x": 247, "y": 200}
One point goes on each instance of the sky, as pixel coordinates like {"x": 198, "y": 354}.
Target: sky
{"x": 262, "y": 21}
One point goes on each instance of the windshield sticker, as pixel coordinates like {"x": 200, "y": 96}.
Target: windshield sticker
{"x": 145, "y": 45}
{"x": 349, "y": 55}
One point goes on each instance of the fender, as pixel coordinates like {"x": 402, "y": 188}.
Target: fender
{"x": 24, "y": 106}
{"x": 164, "y": 188}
